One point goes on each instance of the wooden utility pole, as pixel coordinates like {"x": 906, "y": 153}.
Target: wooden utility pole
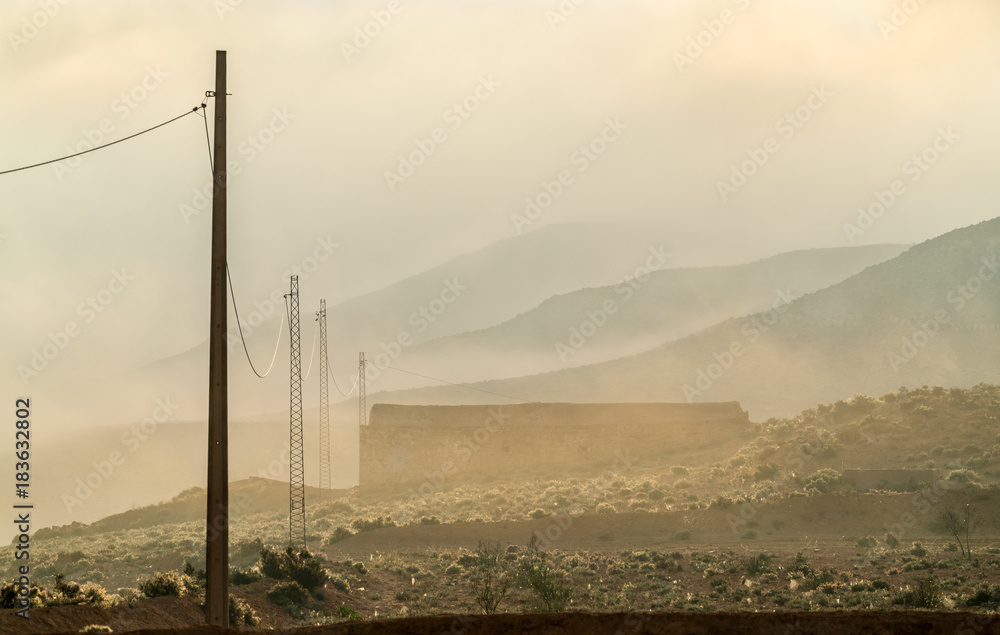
{"x": 217, "y": 537}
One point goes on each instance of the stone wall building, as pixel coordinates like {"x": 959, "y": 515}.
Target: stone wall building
{"x": 435, "y": 447}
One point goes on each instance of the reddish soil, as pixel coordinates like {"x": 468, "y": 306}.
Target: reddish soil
{"x": 178, "y": 613}
{"x": 159, "y": 614}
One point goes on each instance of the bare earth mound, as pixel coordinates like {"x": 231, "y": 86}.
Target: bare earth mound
{"x": 859, "y": 623}
{"x": 179, "y": 613}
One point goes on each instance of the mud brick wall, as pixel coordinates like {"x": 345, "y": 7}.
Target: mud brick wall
{"x": 438, "y": 447}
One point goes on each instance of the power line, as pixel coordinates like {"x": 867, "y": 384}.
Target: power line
{"x": 362, "y": 393}
{"x": 312, "y": 355}
{"x": 100, "y": 147}
{"x": 334, "y": 377}
{"x": 239, "y": 327}
{"x": 204, "y": 115}
{"x": 451, "y": 383}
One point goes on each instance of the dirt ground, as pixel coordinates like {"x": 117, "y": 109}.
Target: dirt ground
{"x": 164, "y": 617}
{"x": 155, "y": 613}
{"x": 825, "y": 528}
{"x": 805, "y": 521}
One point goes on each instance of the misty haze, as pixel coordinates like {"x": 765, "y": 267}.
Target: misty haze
{"x": 482, "y": 317}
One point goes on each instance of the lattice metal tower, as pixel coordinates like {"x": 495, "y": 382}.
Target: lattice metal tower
{"x": 362, "y": 409}
{"x": 325, "y": 480}
{"x": 296, "y": 463}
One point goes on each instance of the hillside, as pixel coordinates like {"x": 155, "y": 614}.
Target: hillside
{"x": 670, "y": 299}
{"x": 647, "y": 312}
{"x": 757, "y": 522}
{"x": 468, "y": 292}
{"x": 945, "y": 429}
{"x": 929, "y": 316}
{"x": 88, "y": 476}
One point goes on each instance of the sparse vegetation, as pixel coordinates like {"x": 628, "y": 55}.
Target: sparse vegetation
{"x": 986, "y": 596}
{"x": 758, "y": 565}
{"x": 490, "y": 580}
{"x": 241, "y": 613}
{"x": 962, "y": 524}
{"x": 926, "y": 594}
{"x": 822, "y": 481}
{"x": 301, "y": 567}
{"x": 873, "y": 570}
{"x": 552, "y": 594}
{"x": 368, "y": 524}
{"x": 341, "y": 583}
{"x": 340, "y": 533}
{"x": 766, "y": 471}
{"x": 158, "y": 585}
{"x": 288, "y": 594}
{"x": 238, "y": 577}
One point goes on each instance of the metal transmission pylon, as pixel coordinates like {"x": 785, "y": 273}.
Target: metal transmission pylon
{"x": 296, "y": 464}
{"x": 325, "y": 481}
{"x": 362, "y": 409}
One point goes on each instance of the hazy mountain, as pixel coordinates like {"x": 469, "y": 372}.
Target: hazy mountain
{"x": 87, "y": 476}
{"x": 851, "y": 337}
{"x": 602, "y": 323}
{"x": 929, "y": 316}
{"x": 469, "y": 292}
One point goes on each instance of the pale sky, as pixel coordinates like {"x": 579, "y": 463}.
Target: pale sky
{"x": 835, "y": 104}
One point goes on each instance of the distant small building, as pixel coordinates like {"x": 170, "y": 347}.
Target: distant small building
{"x": 903, "y": 479}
